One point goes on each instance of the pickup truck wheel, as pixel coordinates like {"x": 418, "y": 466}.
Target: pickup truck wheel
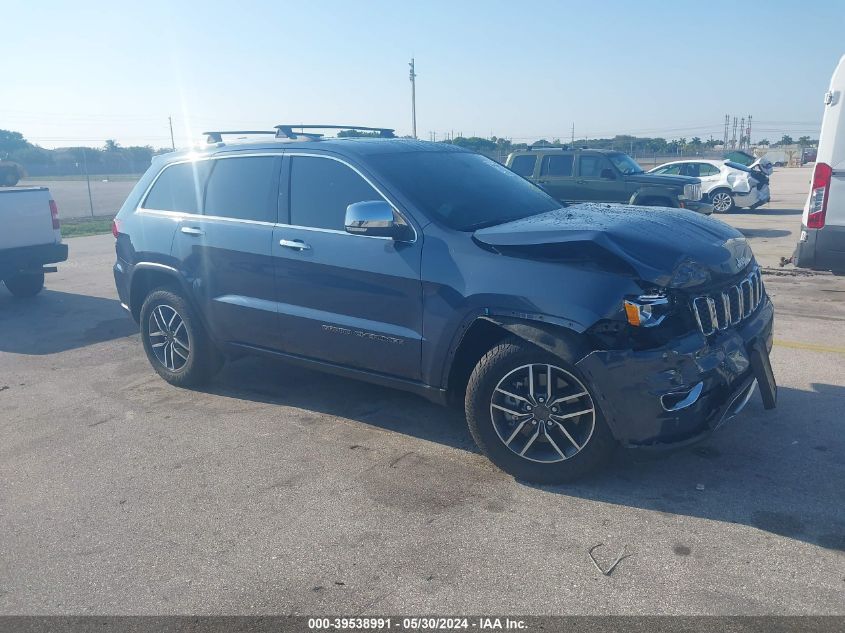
{"x": 176, "y": 343}
{"x": 533, "y": 415}
{"x": 722, "y": 201}
{"x": 25, "y": 284}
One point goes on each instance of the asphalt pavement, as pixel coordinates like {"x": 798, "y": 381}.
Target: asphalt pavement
{"x": 279, "y": 490}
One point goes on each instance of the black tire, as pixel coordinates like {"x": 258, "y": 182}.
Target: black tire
{"x": 718, "y": 196}
{"x": 499, "y": 364}
{"x": 25, "y": 285}
{"x": 193, "y": 358}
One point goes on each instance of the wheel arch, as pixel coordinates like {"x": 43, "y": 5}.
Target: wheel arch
{"x": 485, "y": 331}
{"x": 146, "y": 276}
{"x": 651, "y": 193}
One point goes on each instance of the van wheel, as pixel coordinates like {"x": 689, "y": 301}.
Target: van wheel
{"x": 534, "y": 416}
{"x": 25, "y": 285}
{"x": 722, "y": 200}
{"x": 176, "y": 343}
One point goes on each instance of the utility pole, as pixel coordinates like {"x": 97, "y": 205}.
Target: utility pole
{"x": 172, "y": 142}
{"x": 413, "y": 77}
{"x": 742, "y": 133}
{"x": 749, "y": 131}
{"x": 733, "y": 138}
{"x": 573, "y": 134}
{"x": 87, "y": 180}
{"x": 727, "y": 123}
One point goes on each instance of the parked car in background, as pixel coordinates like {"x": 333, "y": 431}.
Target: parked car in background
{"x": 561, "y": 332}
{"x": 726, "y": 184}
{"x": 30, "y": 238}
{"x": 593, "y": 175}
{"x": 822, "y": 242}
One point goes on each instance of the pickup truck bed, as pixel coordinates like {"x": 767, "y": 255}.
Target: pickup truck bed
{"x": 30, "y": 238}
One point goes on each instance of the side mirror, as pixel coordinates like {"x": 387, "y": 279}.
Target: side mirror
{"x": 607, "y": 174}
{"x": 375, "y": 218}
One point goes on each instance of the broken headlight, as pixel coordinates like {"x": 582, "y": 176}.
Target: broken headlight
{"x": 647, "y": 310}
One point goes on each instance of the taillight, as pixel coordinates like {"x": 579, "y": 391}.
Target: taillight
{"x": 818, "y": 195}
{"x": 54, "y": 213}
{"x": 114, "y": 229}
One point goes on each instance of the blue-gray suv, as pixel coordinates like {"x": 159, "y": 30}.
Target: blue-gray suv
{"x": 562, "y": 331}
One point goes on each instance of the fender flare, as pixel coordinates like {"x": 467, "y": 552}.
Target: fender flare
{"x": 653, "y": 192}
{"x": 171, "y": 272}
{"x": 560, "y": 340}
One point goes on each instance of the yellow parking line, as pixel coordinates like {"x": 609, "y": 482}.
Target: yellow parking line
{"x": 810, "y": 346}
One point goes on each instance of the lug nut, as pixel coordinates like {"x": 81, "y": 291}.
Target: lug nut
{"x": 541, "y": 399}
{"x": 528, "y": 407}
{"x": 554, "y": 409}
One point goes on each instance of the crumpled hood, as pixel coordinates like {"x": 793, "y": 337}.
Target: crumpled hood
{"x": 663, "y": 180}
{"x": 671, "y": 248}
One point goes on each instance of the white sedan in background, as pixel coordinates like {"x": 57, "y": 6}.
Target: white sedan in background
{"x": 725, "y": 183}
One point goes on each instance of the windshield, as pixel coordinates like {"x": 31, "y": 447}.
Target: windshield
{"x": 463, "y": 191}
{"x": 625, "y": 164}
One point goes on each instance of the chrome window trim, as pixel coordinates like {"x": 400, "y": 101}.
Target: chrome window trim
{"x": 369, "y": 182}
{"x": 185, "y": 215}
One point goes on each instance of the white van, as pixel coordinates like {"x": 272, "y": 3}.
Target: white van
{"x": 822, "y": 242}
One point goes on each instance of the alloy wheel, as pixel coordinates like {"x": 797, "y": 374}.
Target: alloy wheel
{"x": 168, "y": 337}
{"x": 722, "y": 201}
{"x": 542, "y": 413}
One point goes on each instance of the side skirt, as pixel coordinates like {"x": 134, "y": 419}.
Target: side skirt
{"x": 434, "y": 394}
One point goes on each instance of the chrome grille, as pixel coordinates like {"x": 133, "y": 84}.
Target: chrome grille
{"x": 692, "y": 192}
{"x": 720, "y": 310}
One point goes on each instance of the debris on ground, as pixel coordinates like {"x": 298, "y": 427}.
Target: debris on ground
{"x": 622, "y": 555}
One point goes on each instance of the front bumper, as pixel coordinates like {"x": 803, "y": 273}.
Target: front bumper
{"x": 699, "y": 206}
{"x": 639, "y": 391}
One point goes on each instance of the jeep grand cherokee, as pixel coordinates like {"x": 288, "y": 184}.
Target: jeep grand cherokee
{"x": 422, "y": 266}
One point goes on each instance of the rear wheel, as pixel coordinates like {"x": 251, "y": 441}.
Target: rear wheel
{"x": 533, "y": 415}
{"x": 25, "y": 285}
{"x": 176, "y": 343}
{"x": 722, "y": 201}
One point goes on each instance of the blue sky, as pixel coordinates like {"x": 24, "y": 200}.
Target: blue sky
{"x": 84, "y": 72}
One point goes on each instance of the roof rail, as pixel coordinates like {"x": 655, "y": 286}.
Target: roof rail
{"x": 217, "y": 136}
{"x": 286, "y": 130}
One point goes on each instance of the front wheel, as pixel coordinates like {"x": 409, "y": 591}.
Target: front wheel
{"x": 25, "y": 285}
{"x": 176, "y": 343}
{"x": 722, "y": 201}
{"x": 533, "y": 415}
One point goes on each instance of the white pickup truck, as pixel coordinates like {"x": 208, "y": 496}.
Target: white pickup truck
{"x": 30, "y": 238}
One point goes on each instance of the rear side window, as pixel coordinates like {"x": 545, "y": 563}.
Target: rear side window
{"x": 524, "y": 165}
{"x": 179, "y": 188}
{"x": 556, "y": 165}
{"x": 321, "y": 189}
{"x": 706, "y": 169}
{"x": 245, "y": 188}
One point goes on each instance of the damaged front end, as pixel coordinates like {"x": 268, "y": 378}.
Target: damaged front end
{"x": 671, "y": 362}
{"x": 672, "y": 377}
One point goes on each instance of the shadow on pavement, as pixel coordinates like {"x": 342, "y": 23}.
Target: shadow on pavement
{"x": 766, "y": 211}
{"x": 779, "y": 471}
{"x": 763, "y": 232}
{"x": 53, "y": 322}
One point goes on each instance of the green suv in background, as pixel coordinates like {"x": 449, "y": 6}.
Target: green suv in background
{"x": 593, "y": 175}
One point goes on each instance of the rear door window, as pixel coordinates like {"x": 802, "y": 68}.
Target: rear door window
{"x": 706, "y": 169}
{"x": 179, "y": 187}
{"x": 321, "y": 189}
{"x": 524, "y": 165}
{"x": 244, "y": 188}
{"x": 553, "y": 165}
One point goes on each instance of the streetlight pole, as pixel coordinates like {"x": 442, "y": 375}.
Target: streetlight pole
{"x": 172, "y": 142}
{"x": 413, "y": 77}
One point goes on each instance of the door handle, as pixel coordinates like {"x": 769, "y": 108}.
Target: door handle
{"x": 580, "y": 182}
{"x": 192, "y": 230}
{"x": 297, "y": 245}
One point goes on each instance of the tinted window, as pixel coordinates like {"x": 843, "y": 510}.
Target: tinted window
{"x": 179, "y": 188}
{"x": 462, "y": 190}
{"x": 689, "y": 169}
{"x": 321, "y": 189}
{"x": 591, "y": 165}
{"x": 556, "y": 165}
{"x": 524, "y": 165}
{"x": 244, "y": 188}
{"x": 670, "y": 169}
{"x": 705, "y": 169}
